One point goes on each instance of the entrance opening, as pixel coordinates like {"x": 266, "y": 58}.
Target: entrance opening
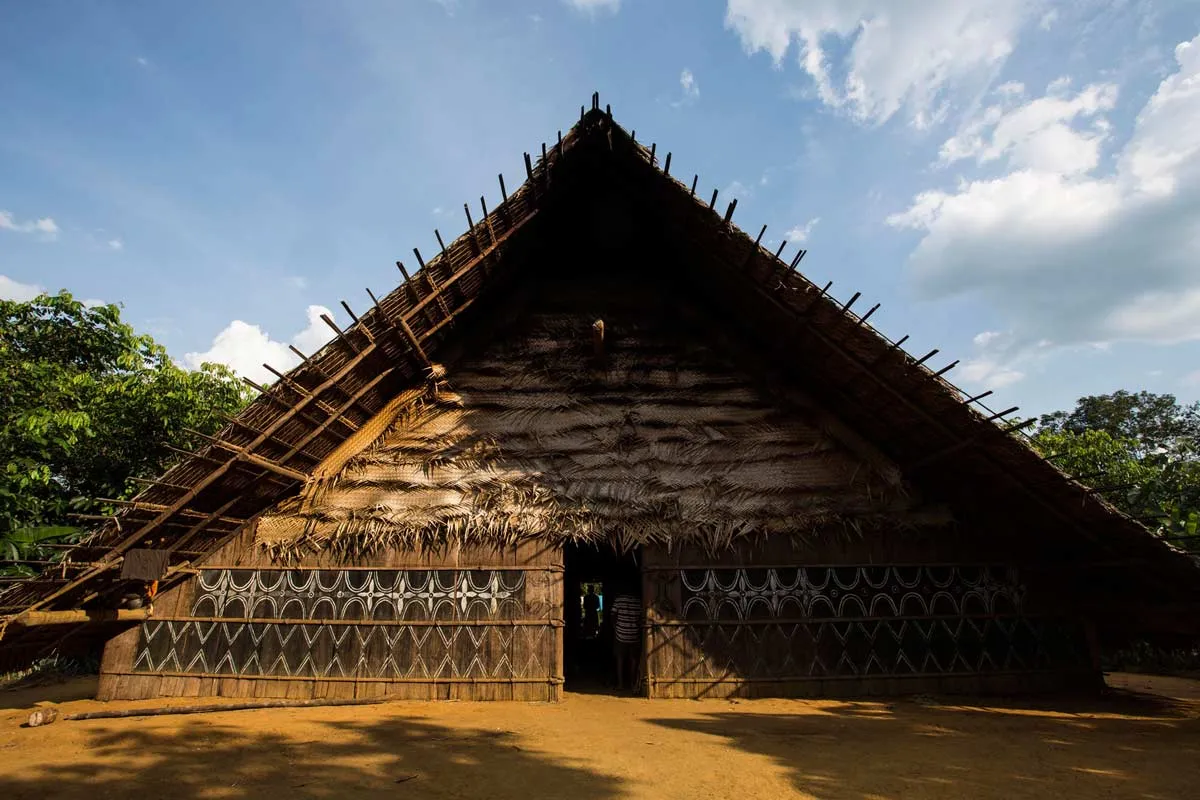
{"x": 594, "y": 576}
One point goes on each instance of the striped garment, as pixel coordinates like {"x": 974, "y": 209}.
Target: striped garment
{"x": 626, "y": 612}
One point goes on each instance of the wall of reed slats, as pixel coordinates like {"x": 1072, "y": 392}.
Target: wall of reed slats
{"x": 776, "y": 621}
{"x": 469, "y": 624}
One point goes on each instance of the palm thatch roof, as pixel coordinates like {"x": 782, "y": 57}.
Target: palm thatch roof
{"x": 598, "y": 195}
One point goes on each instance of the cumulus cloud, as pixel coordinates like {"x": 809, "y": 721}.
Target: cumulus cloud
{"x": 593, "y": 6}
{"x": 45, "y": 226}
{"x": 244, "y": 347}
{"x": 1041, "y": 134}
{"x": 15, "y": 290}
{"x": 800, "y": 233}
{"x": 1073, "y": 252}
{"x": 874, "y": 57}
{"x": 115, "y": 244}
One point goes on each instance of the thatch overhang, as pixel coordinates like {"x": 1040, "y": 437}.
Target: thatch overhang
{"x": 331, "y": 403}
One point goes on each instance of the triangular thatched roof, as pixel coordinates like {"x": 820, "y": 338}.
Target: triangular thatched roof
{"x": 331, "y": 403}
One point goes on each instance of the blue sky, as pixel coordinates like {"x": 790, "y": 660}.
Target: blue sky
{"x": 1016, "y": 181}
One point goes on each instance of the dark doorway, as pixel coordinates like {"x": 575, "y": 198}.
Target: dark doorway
{"x": 593, "y": 576}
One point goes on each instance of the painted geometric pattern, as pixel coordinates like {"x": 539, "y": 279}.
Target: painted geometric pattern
{"x": 848, "y": 592}
{"x": 872, "y": 647}
{"x": 360, "y": 594}
{"x": 344, "y": 651}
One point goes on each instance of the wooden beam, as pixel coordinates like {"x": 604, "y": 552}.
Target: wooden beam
{"x": 144, "y": 505}
{"x": 667, "y": 166}
{"x": 33, "y": 619}
{"x": 255, "y": 459}
{"x": 296, "y": 387}
{"x": 210, "y": 518}
{"x": 729, "y": 211}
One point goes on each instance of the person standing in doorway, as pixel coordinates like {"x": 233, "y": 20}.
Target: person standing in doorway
{"x": 626, "y": 611}
{"x": 591, "y": 613}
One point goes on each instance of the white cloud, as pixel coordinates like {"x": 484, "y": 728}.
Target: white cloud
{"x": 1048, "y": 19}
{"x": 593, "y": 6}
{"x": 244, "y": 347}
{"x": 800, "y": 233}
{"x": 15, "y": 290}
{"x": 993, "y": 364}
{"x": 115, "y": 244}
{"x": 687, "y": 82}
{"x": 1038, "y": 134}
{"x": 45, "y": 226}
{"x": 912, "y": 55}
{"x": 1074, "y": 253}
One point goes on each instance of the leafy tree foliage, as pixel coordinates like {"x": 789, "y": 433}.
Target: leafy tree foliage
{"x": 86, "y": 405}
{"x": 1141, "y": 449}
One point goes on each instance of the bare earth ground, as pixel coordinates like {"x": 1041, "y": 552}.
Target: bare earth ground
{"x": 1143, "y": 745}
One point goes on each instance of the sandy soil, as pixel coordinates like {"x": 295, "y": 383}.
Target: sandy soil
{"x": 596, "y": 747}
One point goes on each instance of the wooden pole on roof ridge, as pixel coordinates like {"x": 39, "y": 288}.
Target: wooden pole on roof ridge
{"x": 926, "y": 357}
{"x": 946, "y": 368}
{"x": 595, "y": 101}
{"x": 633, "y": 135}
{"x": 849, "y": 302}
{"x": 503, "y": 191}
{"x": 349, "y": 310}
{"x": 406, "y": 332}
{"x": 796, "y": 260}
{"x": 1004, "y": 413}
{"x": 487, "y": 223}
{"x": 438, "y": 235}
{"x": 729, "y": 210}
{"x": 695, "y": 178}
{"x": 342, "y": 336}
{"x": 867, "y": 315}
{"x": 713, "y": 201}
{"x": 782, "y": 245}
{"x": 470, "y": 222}
{"x": 653, "y": 148}
{"x": 667, "y": 166}
{"x": 528, "y": 168}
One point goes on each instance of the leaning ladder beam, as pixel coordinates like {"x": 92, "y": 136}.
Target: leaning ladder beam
{"x": 135, "y": 537}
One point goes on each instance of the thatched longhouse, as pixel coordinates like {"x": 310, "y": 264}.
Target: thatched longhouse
{"x": 605, "y": 382}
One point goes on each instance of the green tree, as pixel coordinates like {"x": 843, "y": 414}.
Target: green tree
{"x": 86, "y": 405}
{"x": 1142, "y": 450}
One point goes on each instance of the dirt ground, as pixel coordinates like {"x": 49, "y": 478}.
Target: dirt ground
{"x": 1142, "y": 741}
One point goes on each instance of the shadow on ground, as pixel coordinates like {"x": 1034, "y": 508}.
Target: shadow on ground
{"x": 1119, "y": 745}
{"x": 393, "y": 758}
